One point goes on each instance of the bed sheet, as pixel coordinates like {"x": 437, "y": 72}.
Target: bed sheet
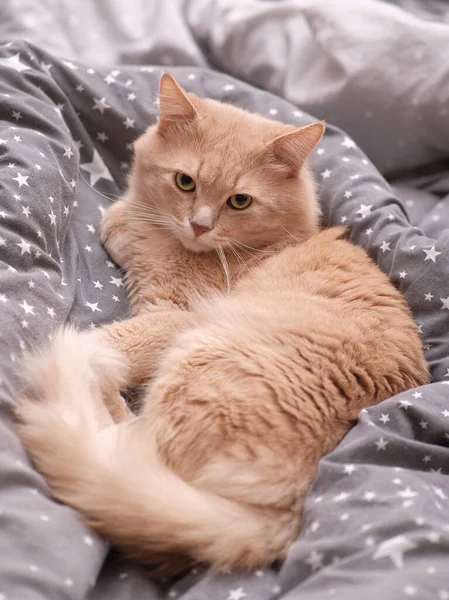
{"x": 376, "y": 518}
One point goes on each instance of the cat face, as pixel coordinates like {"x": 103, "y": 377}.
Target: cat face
{"x": 216, "y": 176}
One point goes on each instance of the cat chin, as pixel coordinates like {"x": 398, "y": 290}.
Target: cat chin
{"x": 195, "y": 245}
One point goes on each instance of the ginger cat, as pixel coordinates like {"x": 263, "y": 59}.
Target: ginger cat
{"x": 263, "y": 339}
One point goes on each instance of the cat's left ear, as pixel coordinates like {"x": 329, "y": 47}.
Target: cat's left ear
{"x": 174, "y": 104}
{"x": 294, "y": 147}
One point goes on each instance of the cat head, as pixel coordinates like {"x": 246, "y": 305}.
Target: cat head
{"x": 215, "y": 175}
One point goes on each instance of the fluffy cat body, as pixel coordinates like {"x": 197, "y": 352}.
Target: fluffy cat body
{"x": 248, "y": 389}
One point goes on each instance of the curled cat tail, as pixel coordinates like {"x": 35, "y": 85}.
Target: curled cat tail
{"x": 116, "y": 480}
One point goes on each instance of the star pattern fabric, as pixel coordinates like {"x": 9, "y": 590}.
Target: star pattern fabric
{"x": 379, "y": 504}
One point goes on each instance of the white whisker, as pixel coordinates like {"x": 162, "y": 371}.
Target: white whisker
{"x": 291, "y": 234}
{"x": 224, "y": 263}
{"x": 243, "y": 246}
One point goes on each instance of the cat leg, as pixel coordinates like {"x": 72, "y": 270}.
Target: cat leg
{"x": 143, "y": 339}
{"x": 114, "y": 232}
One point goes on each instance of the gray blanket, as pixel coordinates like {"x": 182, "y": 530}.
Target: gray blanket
{"x": 376, "y": 518}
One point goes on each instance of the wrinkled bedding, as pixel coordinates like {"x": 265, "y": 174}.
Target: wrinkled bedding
{"x": 376, "y": 519}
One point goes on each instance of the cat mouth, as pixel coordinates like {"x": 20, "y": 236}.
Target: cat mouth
{"x": 196, "y": 244}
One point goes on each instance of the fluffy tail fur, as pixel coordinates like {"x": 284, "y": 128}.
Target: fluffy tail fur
{"x": 115, "y": 478}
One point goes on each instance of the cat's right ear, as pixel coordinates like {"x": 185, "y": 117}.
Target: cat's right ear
{"x": 174, "y": 104}
{"x": 294, "y": 147}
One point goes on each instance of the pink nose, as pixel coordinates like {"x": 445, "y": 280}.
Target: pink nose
{"x": 199, "y": 229}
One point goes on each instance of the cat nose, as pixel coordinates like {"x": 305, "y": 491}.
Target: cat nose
{"x": 199, "y": 229}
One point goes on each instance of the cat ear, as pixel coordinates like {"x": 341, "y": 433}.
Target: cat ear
{"x": 294, "y": 147}
{"x": 174, "y": 104}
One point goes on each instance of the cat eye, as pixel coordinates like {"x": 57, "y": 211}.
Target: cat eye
{"x": 185, "y": 182}
{"x": 239, "y": 201}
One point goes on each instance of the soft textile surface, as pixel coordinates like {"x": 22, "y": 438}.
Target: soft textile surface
{"x": 376, "y": 518}
{"x": 362, "y": 65}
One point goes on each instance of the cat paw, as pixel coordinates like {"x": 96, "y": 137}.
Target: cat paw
{"x": 113, "y": 232}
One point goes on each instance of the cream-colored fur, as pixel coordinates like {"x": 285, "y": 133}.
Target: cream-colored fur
{"x": 247, "y": 390}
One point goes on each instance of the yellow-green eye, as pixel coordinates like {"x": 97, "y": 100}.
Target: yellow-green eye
{"x": 185, "y": 182}
{"x": 239, "y": 201}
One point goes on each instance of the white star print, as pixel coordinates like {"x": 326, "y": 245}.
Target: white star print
{"x": 118, "y": 281}
{"x": 364, "y": 210}
{"x": 98, "y": 285}
{"x": 326, "y": 174}
{"x": 80, "y": 88}
{"x": 129, "y": 123}
{"x": 58, "y": 109}
{"x": 315, "y": 560}
{"x": 2, "y": 241}
{"x": 402, "y": 274}
{"x": 349, "y": 469}
{"x": 347, "y": 142}
{"x": 384, "y": 418}
{"x": 445, "y": 302}
{"x": 90, "y": 228}
{"x": 348, "y": 194}
{"x": 115, "y": 298}
{"x": 93, "y": 306}
{"x": 25, "y": 247}
{"x": 343, "y": 219}
{"x": 52, "y": 218}
{"x": 431, "y": 254}
{"x": 70, "y": 65}
{"x": 381, "y": 444}
{"x": 16, "y": 115}
{"x": 13, "y": 62}
{"x": 68, "y": 152}
{"x": 340, "y": 497}
{"x": 101, "y": 105}
{"x": 369, "y": 496}
{"x": 394, "y": 548}
{"x": 445, "y": 413}
{"x": 21, "y": 180}
{"x": 228, "y": 87}
{"x": 51, "y": 312}
{"x": 26, "y": 210}
{"x": 369, "y": 231}
{"x": 17, "y": 138}
{"x": 410, "y": 590}
{"x": 423, "y": 424}
{"x": 132, "y": 96}
{"x": 439, "y": 492}
{"x": 3, "y": 298}
{"x": 236, "y": 594}
{"x": 428, "y": 296}
{"x": 97, "y": 169}
{"x": 102, "y": 137}
{"x": 407, "y": 493}
{"x": 385, "y": 246}
{"x": 404, "y": 404}
{"x": 29, "y": 310}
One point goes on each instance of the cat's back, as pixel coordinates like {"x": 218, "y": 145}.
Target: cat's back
{"x": 328, "y": 296}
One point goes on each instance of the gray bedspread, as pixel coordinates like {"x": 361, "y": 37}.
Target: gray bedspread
{"x": 376, "y": 519}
